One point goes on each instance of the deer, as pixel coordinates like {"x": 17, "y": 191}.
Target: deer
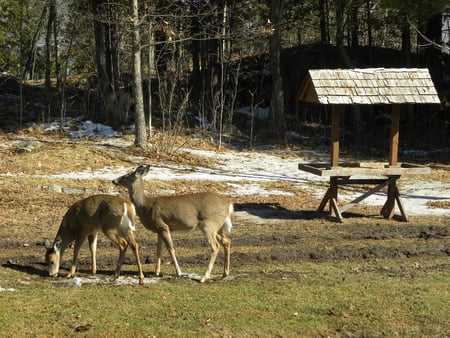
{"x": 207, "y": 211}
{"x": 109, "y": 214}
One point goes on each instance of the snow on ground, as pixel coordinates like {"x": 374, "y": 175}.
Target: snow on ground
{"x": 82, "y": 129}
{"x": 246, "y": 170}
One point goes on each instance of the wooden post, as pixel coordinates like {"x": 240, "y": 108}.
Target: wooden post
{"x": 335, "y": 122}
{"x": 388, "y": 209}
{"x": 395, "y": 126}
{"x": 333, "y": 190}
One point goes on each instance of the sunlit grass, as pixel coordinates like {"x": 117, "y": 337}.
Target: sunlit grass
{"x": 371, "y": 298}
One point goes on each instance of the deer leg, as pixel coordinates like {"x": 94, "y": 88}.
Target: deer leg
{"x": 226, "y": 243}
{"x": 167, "y": 238}
{"x": 122, "y": 244}
{"x": 135, "y": 247}
{"x": 214, "y": 251}
{"x": 92, "y": 239}
{"x": 78, "y": 242}
{"x": 159, "y": 249}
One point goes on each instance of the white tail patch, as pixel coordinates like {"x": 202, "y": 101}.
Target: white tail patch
{"x": 127, "y": 222}
{"x": 228, "y": 224}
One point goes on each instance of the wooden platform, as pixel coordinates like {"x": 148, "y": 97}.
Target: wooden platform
{"x": 363, "y": 169}
{"x": 387, "y": 175}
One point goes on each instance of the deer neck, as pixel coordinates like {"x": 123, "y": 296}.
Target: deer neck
{"x": 137, "y": 194}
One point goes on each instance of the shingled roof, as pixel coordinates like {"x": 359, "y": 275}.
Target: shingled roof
{"x": 368, "y": 86}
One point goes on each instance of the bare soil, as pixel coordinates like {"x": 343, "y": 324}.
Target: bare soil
{"x": 267, "y": 229}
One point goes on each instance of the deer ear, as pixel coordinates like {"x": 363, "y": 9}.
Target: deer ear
{"x": 47, "y": 244}
{"x": 57, "y": 245}
{"x": 142, "y": 170}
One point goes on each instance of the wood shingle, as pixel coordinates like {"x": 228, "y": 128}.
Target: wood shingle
{"x": 368, "y": 86}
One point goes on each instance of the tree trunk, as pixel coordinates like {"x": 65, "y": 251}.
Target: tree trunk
{"x": 48, "y": 43}
{"x": 151, "y": 70}
{"x": 340, "y": 9}
{"x": 406, "y": 39}
{"x": 369, "y": 23}
{"x": 28, "y": 71}
{"x": 54, "y": 13}
{"x": 323, "y": 22}
{"x": 354, "y": 23}
{"x": 277, "y": 97}
{"x": 141, "y": 133}
{"x": 104, "y": 82}
{"x": 369, "y": 29}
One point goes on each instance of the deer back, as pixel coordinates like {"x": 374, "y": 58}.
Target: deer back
{"x": 185, "y": 212}
{"x": 96, "y": 213}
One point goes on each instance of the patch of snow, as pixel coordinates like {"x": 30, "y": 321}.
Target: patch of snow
{"x": 84, "y": 129}
{"x": 255, "y": 189}
{"x": 415, "y": 195}
{"x": 261, "y": 113}
{"x": 7, "y": 289}
{"x": 92, "y": 129}
{"x": 247, "y": 171}
{"x": 78, "y": 281}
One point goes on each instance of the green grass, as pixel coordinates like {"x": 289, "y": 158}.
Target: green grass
{"x": 346, "y": 298}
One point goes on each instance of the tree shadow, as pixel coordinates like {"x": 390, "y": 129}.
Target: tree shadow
{"x": 275, "y": 211}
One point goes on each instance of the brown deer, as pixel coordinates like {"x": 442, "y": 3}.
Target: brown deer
{"x": 112, "y": 215}
{"x": 209, "y": 212}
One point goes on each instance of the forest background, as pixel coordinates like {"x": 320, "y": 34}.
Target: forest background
{"x": 232, "y": 67}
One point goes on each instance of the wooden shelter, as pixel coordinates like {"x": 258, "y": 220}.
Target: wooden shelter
{"x": 369, "y": 86}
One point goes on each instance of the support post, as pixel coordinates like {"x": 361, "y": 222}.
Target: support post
{"x": 388, "y": 209}
{"x": 335, "y": 122}
{"x": 393, "y": 144}
{"x": 334, "y": 161}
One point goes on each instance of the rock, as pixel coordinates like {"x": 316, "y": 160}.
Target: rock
{"x": 26, "y": 146}
{"x": 56, "y": 188}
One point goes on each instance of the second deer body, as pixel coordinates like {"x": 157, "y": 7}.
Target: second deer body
{"x": 109, "y": 214}
{"x": 209, "y": 212}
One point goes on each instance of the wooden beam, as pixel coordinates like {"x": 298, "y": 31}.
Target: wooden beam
{"x": 333, "y": 191}
{"x": 335, "y": 208}
{"x": 400, "y": 206}
{"x": 367, "y": 194}
{"x": 335, "y": 122}
{"x": 344, "y": 170}
{"x": 325, "y": 200}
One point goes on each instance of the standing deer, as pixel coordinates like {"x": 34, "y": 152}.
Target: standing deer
{"x": 207, "y": 211}
{"x": 112, "y": 215}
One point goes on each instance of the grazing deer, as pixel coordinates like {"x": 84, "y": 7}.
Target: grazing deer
{"x": 207, "y": 211}
{"x": 110, "y": 214}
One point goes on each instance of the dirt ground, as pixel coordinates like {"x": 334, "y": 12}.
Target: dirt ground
{"x": 267, "y": 229}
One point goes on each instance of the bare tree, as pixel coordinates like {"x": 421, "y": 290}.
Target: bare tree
{"x": 277, "y": 99}
{"x": 141, "y": 132}
{"x": 51, "y": 23}
{"x": 104, "y": 82}
{"x": 29, "y": 69}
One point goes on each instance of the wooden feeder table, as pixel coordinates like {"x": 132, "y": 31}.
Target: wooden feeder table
{"x": 366, "y": 86}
